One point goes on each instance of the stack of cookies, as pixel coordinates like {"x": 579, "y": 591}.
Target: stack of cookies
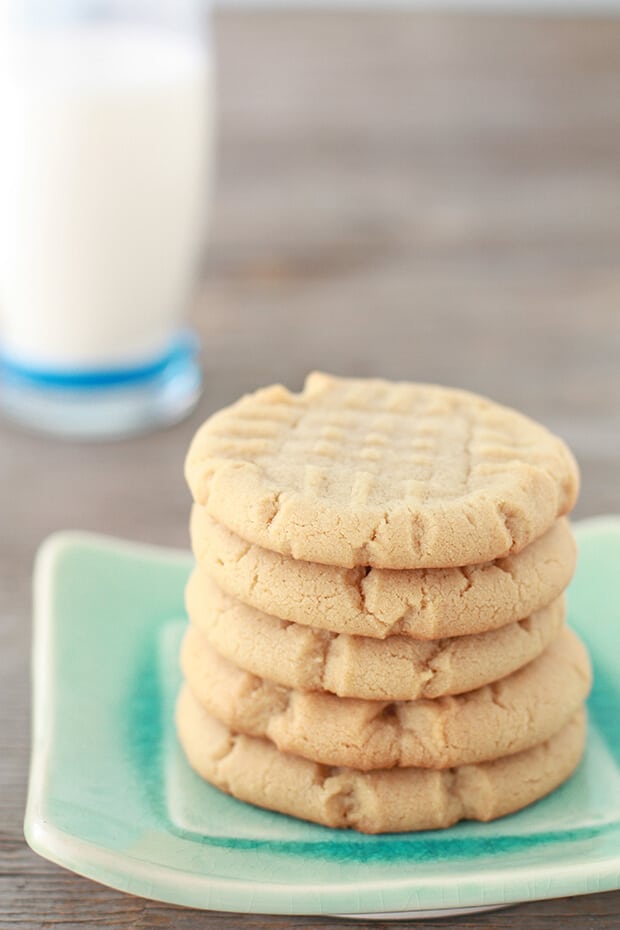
{"x": 377, "y": 635}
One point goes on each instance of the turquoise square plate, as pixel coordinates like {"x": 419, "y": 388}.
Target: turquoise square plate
{"x": 112, "y": 798}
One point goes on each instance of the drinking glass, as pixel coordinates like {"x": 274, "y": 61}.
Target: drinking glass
{"x": 106, "y": 108}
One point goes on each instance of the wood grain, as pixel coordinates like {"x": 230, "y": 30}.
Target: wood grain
{"x": 425, "y": 196}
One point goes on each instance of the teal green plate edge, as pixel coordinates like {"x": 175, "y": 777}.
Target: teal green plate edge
{"x": 587, "y": 865}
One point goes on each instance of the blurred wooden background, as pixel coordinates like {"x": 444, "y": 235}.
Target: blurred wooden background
{"x": 433, "y": 197}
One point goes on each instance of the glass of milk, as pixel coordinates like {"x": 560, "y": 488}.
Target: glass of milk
{"x": 105, "y": 164}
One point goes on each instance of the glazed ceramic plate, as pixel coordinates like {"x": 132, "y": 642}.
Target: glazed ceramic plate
{"x": 112, "y": 798}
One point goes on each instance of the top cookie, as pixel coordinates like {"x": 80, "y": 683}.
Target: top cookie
{"x": 392, "y": 475}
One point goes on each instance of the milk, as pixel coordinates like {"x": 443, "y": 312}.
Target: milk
{"x": 104, "y": 168}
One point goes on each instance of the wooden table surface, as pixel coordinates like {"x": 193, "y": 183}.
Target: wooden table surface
{"x": 432, "y": 197}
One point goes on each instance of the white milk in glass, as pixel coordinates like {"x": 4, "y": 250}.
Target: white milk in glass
{"x": 104, "y": 171}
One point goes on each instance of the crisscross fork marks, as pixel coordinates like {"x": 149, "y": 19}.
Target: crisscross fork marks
{"x": 363, "y": 457}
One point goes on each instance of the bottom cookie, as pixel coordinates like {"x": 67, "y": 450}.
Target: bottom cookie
{"x": 383, "y": 801}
